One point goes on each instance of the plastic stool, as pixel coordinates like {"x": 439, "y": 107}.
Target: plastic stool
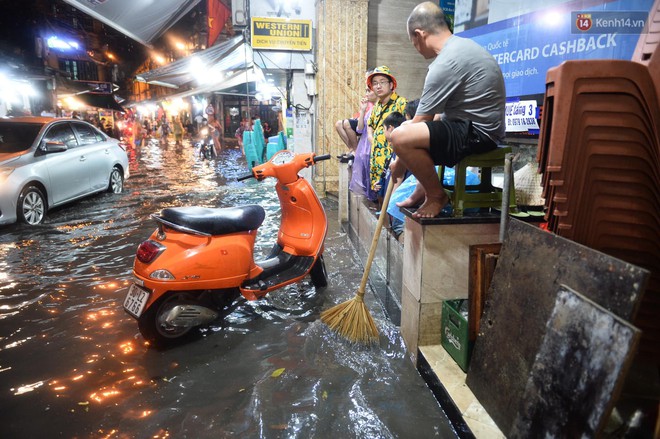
{"x": 484, "y": 194}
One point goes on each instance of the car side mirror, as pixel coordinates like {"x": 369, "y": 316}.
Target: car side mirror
{"x": 51, "y": 146}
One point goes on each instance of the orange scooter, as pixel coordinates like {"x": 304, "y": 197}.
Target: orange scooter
{"x": 199, "y": 259}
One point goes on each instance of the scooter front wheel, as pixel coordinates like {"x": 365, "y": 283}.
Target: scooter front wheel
{"x": 318, "y": 274}
{"x": 153, "y": 326}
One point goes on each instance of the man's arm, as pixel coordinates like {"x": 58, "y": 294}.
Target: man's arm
{"x": 422, "y": 118}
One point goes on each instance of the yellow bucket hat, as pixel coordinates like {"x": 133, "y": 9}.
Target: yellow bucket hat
{"x": 381, "y": 70}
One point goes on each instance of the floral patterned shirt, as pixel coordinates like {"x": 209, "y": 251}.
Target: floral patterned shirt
{"x": 380, "y": 147}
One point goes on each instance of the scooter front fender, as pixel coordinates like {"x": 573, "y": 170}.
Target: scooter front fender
{"x": 304, "y": 223}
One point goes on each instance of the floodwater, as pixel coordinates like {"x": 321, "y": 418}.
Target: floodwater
{"x": 73, "y": 365}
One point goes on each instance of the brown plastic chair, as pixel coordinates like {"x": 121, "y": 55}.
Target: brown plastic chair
{"x": 647, "y": 51}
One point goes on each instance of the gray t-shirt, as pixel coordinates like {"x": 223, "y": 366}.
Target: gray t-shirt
{"x": 465, "y": 82}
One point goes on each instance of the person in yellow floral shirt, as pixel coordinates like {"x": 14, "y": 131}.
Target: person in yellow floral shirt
{"x": 383, "y": 83}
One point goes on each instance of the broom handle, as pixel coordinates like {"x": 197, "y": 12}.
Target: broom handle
{"x": 374, "y": 241}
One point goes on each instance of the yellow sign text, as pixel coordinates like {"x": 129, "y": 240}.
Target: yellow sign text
{"x": 281, "y": 34}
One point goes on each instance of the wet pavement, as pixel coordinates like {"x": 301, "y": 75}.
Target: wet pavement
{"x": 73, "y": 365}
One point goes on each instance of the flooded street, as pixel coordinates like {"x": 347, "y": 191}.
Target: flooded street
{"x": 73, "y": 365}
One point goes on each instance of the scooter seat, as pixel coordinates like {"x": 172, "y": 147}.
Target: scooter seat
{"x": 216, "y": 221}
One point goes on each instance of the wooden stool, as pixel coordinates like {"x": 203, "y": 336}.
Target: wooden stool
{"x": 484, "y": 194}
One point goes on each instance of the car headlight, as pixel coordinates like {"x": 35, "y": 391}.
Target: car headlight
{"x": 4, "y": 174}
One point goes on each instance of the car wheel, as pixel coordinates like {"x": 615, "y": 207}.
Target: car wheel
{"x": 116, "y": 185}
{"x": 31, "y": 206}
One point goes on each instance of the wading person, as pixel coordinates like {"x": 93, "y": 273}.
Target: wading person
{"x": 177, "y": 129}
{"x": 383, "y": 84}
{"x": 216, "y": 132}
{"x": 460, "y": 112}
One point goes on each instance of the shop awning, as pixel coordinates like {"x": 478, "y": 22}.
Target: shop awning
{"x": 233, "y": 84}
{"x": 219, "y": 67}
{"x": 202, "y": 67}
{"x": 91, "y": 93}
{"x": 99, "y": 100}
{"x": 68, "y": 87}
{"x": 143, "y": 21}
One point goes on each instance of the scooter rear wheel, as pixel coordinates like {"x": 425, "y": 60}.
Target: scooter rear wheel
{"x": 318, "y": 274}
{"x": 157, "y": 332}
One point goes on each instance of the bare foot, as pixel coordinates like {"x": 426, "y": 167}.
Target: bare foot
{"x": 431, "y": 207}
{"x": 414, "y": 199}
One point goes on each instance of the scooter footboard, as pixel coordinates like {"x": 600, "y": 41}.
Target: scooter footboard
{"x": 280, "y": 269}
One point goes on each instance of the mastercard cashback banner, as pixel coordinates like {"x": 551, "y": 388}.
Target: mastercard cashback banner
{"x": 550, "y": 32}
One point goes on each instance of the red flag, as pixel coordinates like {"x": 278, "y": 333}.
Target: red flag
{"x": 218, "y": 14}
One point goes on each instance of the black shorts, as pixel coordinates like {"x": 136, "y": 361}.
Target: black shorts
{"x": 353, "y": 123}
{"x": 453, "y": 140}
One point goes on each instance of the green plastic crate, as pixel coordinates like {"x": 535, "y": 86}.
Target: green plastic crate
{"x": 454, "y": 337}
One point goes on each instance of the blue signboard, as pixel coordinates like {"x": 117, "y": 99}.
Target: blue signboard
{"x": 448, "y": 7}
{"x": 526, "y": 46}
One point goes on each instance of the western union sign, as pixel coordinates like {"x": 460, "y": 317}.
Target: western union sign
{"x": 281, "y": 34}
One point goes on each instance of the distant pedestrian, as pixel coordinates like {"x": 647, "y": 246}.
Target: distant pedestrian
{"x": 164, "y": 131}
{"x": 267, "y": 130}
{"x": 239, "y": 134}
{"x": 199, "y": 121}
{"x": 177, "y": 129}
{"x": 216, "y": 131}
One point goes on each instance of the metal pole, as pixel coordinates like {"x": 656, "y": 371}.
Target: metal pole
{"x": 247, "y": 74}
{"x": 506, "y": 193}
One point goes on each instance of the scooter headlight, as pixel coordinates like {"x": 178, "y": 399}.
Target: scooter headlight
{"x": 162, "y": 275}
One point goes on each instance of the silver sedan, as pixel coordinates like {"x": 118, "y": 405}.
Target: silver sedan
{"x": 46, "y": 162}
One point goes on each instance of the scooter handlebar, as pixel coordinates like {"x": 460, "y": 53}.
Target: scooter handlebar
{"x": 245, "y": 177}
{"x": 261, "y": 176}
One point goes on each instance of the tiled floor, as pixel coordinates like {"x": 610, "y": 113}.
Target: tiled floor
{"x": 453, "y": 380}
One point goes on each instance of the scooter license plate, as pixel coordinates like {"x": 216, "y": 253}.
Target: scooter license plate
{"x": 136, "y": 300}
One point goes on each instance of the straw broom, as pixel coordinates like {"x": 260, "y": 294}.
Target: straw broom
{"x": 352, "y": 319}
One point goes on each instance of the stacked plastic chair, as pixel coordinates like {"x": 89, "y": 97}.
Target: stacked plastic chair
{"x": 599, "y": 152}
{"x": 258, "y": 141}
{"x": 249, "y": 150}
{"x": 281, "y": 140}
{"x": 275, "y": 144}
{"x": 271, "y": 147}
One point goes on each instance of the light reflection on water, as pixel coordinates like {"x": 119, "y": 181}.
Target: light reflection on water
{"x": 72, "y": 357}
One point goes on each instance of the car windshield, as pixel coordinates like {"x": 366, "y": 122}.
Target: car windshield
{"x": 17, "y": 137}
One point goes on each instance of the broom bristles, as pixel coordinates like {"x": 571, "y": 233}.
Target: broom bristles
{"x": 352, "y": 321}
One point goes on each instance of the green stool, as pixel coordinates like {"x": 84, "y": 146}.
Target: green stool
{"x": 484, "y": 194}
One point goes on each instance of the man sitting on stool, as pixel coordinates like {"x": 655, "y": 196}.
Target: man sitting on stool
{"x": 464, "y": 84}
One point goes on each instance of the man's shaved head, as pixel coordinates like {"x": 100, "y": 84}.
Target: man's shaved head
{"x": 427, "y": 16}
